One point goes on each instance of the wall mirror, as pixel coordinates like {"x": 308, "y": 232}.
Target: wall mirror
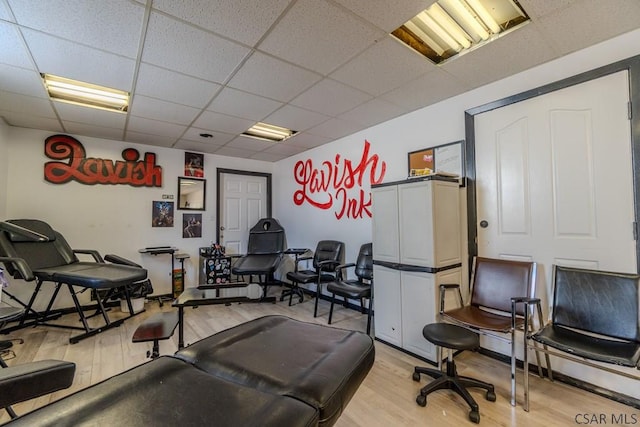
{"x": 191, "y": 194}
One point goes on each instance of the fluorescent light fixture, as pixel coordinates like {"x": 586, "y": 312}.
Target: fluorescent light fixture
{"x": 451, "y": 27}
{"x": 268, "y": 132}
{"x": 85, "y": 94}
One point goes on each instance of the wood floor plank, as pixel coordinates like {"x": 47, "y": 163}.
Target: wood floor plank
{"x": 385, "y": 398}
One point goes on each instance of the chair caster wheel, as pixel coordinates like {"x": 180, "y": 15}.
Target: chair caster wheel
{"x": 416, "y": 376}
{"x": 148, "y": 354}
{"x": 422, "y": 400}
{"x": 474, "y": 416}
{"x": 491, "y": 396}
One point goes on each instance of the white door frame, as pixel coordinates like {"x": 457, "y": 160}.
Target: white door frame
{"x": 219, "y": 207}
{"x": 632, "y": 65}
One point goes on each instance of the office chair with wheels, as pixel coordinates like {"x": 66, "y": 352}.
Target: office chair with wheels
{"x": 491, "y": 312}
{"x": 328, "y": 255}
{"x": 360, "y": 288}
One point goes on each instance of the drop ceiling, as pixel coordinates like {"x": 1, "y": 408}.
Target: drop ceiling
{"x": 325, "y": 68}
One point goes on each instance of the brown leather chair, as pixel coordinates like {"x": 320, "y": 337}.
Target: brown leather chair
{"x": 498, "y": 289}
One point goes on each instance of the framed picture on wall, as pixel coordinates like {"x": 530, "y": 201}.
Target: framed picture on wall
{"x": 194, "y": 164}
{"x": 162, "y": 214}
{"x": 191, "y": 225}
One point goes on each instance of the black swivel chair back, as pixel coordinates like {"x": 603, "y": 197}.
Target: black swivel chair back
{"x": 359, "y": 288}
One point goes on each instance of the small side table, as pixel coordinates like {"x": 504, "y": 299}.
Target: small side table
{"x": 159, "y": 250}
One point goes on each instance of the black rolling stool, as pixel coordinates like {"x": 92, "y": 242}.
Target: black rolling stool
{"x": 452, "y": 337}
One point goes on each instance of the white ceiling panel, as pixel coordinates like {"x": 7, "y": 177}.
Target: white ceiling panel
{"x": 25, "y": 82}
{"x": 330, "y": 97}
{"x": 243, "y": 20}
{"x": 234, "y": 102}
{"x": 296, "y": 118}
{"x": 114, "y": 26}
{"x": 177, "y": 46}
{"x": 156, "y": 109}
{"x": 319, "y": 36}
{"x": 324, "y": 68}
{"x": 381, "y": 14}
{"x": 13, "y": 50}
{"x": 81, "y": 62}
{"x": 75, "y": 113}
{"x": 383, "y": 67}
{"x": 175, "y": 87}
{"x": 272, "y": 78}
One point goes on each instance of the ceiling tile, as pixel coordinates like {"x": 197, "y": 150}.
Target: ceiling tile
{"x": 539, "y": 8}
{"x": 25, "y": 82}
{"x": 242, "y": 104}
{"x": 196, "y": 146}
{"x": 373, "y": 112}
{"x": 156, "y": 109}
{"x": 384, "y": 66}
{"x": 335, "y": 128}
{"x": 218, "y": 138}
{"x": 296, "y": 118}
{"x": 13, "y": 49}
{"x": 272, "y": 78}
{"x": 235, "y": 152}
{"x": 175, "y": 87}
{"x": 76, "y": 113}
{"x": 284, "y": 149}
{"x": 330, "y": 97}
{"x": 306, "y": 140}
{"x": 252, "y": 144}
{"x": 268, "y": 157}
{"x": 154, "y": 127}
{"x": 149, "y": 139}
{"x": 93, "y": 130}
{"x": 180, "y": 47}
{"x": 243, "y": 20}
{"x": 515, "y": 52}
{"x": 114, "y": 25}
{"x": 80, "y": 62}
{"x": 592, "y": 21}
{"x": 382, "y": 15}
{"x": 318, "y": 35}
{"x": 222, "y": 122}
{"x": 30, "y": 120}
{"x": 431, "y": 87}
{"x": 5, "y": 13}
{"x": 26, "y": 104}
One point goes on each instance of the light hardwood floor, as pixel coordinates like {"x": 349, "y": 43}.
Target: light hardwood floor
{"x": 385, "y": 398}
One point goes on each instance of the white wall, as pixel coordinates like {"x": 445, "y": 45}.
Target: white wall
{"x": 110, "y": 218}
{"x": 435, "y": 125}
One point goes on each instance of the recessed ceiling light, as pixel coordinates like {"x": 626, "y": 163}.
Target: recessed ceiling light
{"x": 451, "y": 27}
{"x": 269, "y": 132}
{"x": 85, "y": 94}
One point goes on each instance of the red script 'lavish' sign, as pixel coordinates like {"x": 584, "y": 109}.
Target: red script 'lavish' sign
{"x": 89, "y": 170}
{"x": 327, "y": 186}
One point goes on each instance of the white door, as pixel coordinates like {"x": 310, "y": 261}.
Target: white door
{"x": 554, "y": 179}
{"x": 244, "y": 202}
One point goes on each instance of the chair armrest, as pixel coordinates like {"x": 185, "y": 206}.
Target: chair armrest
{"x": 446, "y": 287}
{"x": 328, "y": 265}
{"x": 341, "y": 267}
{"x": 528, "y": 302}
{"x": 30, "y": 380}
{"x": 20, "y": 266}
{"x": 95, "y": 254}
{"x": 117, "y": 259}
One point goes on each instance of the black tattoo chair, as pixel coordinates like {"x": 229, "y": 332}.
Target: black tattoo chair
{"x": 267, "y": 243}
{"x": 360, "y": 288}
{"x": 329, "y": 254}
{"x": 32, "y": 251}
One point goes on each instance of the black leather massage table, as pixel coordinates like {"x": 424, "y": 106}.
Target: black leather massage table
{"x": 271, "y": 371}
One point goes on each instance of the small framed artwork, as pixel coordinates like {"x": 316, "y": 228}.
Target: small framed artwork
{"x": 191, "y": 225}
{"x": 194, "y": 165}
{"x": 162, "y": 214}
